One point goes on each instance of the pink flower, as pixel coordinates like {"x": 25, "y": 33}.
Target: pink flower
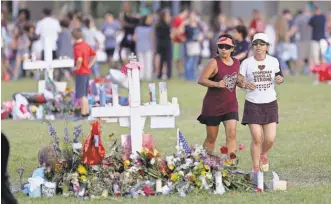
{"x": 224, "y": 149}
{"x": 241, "y": 147}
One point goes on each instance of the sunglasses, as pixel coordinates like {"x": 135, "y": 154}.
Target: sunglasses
{"x": 259, "y": 43}
{"x": 224, "y": 46}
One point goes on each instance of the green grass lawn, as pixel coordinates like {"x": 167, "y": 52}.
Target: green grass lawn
{"x": 300, "y": 156}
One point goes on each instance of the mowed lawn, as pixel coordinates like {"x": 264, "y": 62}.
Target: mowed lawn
{"x": 300, "y": 156}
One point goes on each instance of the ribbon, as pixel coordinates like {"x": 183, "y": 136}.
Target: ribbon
{"x": 131, "y": 65}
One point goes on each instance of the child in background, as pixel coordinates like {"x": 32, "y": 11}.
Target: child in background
{"x": 144, "y": 37}
{"x": 110, "y": 28}
{"x": 64, "y": 48}
{"x": 82, "y": 54}
{"x": 23, "y": 44}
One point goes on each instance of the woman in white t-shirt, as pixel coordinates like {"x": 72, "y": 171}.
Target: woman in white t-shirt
{"x": 261, "y": 71}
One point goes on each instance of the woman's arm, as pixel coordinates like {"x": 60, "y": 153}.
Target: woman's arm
{"x": 209, "y": 71}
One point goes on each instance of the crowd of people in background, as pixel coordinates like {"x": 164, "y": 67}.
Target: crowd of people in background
{"x": 162, "y": 41}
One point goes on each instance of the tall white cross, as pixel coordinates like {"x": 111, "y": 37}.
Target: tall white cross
{"x": 134, "y": 115}
{"x": 48, "y": 64}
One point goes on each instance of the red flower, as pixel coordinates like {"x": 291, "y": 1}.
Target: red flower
{"x": 259, "y": 190}
{"x": 150, "y": 155}
{"x": 148, "y": 191}
{"x": 224, "y": 149}
{"x": 233, "y": 155}
{"x": 141, "y": 171}
{"x": 241, "y": 147}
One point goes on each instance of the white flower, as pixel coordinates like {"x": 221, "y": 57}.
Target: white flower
{"x": 152, "y": 161}
{"x": 209, "y": 175}
{"x": 181, "y": 173}
{"x": 133, "y": 157}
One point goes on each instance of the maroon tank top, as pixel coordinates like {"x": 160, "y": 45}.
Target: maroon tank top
{"x": 219, "y": 101}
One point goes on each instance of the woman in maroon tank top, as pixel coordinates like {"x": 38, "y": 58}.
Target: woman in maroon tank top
{"x": 220, "y": 104}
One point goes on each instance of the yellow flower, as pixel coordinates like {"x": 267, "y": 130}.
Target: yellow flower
{"x": 203, "y": 172}
{"x": 228, "y": 162}
{"x": 174, "y": 177}
{"x": 126, "y": 163}
{"x": 224, "y": 173}
{"x": 171, "y": 167}
{"x": 83, "y": 178}
{"x": 196, "y": 157}
{"x": 82, "y": 170}
{"x": 57, "y": 167}
{"x": 198, "y": 183}
{"x": 156, "y": 152}
{"x": 200, "y": 166}
{"x": 206, "y": 167}
{"x": 33, "y": 109}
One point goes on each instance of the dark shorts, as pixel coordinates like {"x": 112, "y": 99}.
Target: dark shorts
{"x": 110, "y": 52}
{"x": 216, "y": 120}
{"x": 81, "y": 85}
{"x": 262, "y": 114}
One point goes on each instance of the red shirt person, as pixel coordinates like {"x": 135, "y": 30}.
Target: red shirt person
{"x": 82, "y": 54}
{"x": 220, "y": 103}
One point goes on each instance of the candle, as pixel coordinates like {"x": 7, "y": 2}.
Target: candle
{"x": 114, "y": 88}
{"x": 163, "y": 93}
{"x": 174, "y": 100}
{"x": 152, "y": 96}
{"x": 158, "y": 186}
{"x": 219, "y": 183}
{"x": 260, "y": 181}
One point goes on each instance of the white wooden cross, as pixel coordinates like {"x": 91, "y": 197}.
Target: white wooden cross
{"x": 133, "y": 116}
{"x": 48, "y": 64}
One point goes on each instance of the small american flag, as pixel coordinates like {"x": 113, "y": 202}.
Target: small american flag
{"x": 182, "y": 143}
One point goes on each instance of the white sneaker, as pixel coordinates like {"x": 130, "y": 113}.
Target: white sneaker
{"x": 316, "y": 82}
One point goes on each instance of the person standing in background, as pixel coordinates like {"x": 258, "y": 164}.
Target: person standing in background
{"x": 317, "y": 23}
{"x": 241, "y": 45}
{"x": 129, "y": 22}
{"x": 178, "y": 39}
{"x": 220, "y": 27}
{"x": 257, "y": 24}
{"x": 49, "y": 28}
{"x": 110, "y": 28}
{"x": 64, "y": 48}
{"x": 144, "y": 37}
{"x": 83, "y": 63}
{"x": 304, "y": 31}
{"x": 194, "y": 38}
{"x": 91, "y": 39}
{"x": 163, "y": 42}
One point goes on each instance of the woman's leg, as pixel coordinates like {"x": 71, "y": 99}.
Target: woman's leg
{"x": 269, "y": 131}
{"x": 257, "y": 137}
{"x": 209, "y": 143}
{"x": 230, "y": 132}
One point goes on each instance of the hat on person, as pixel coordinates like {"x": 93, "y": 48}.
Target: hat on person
{"x": 261, "y": 36}
{"x": 226, "y": 41}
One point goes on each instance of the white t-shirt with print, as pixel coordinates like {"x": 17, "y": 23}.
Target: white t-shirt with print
{"x": 262, "y": 74}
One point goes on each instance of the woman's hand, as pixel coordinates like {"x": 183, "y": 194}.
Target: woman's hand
{"x": 221, "y": 84}
{"x": 279, "y": 79}
{"x": 249, "y": 85}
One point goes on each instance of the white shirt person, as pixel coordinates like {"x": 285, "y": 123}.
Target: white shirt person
{"x": 261, "y": 72}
